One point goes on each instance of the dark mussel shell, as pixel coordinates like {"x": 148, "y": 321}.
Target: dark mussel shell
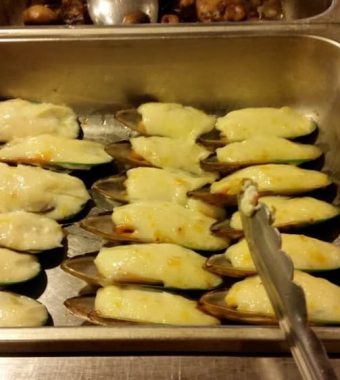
{"x": 213, "y": 303}
{"x": 219, "y": 264}
{"x": 112, "y": 188}
{"x": 123, "y": 153}
{"x": 131, "y": 119}
{"x": 83, "y": 307}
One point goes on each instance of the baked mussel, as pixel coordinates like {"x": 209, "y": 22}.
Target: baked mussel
{"x": 307, "y": 254}
{"x": 138, "y": 305}
{"x": 161, "y": 152}
{"x": 54, "y": 151}
{"x": 166, "y": 265}
{"x": 157, "y": 222}
{"x": 21, "y": 311}
{"x": 260, "y": 149}
{"x": 17, "y": 267}
{"x": 245, "y": 123}
{"x": 21, "y": 118}
{"x": 271, "y": 179}
{"x": 247, "y": 301}
{"x": 154, "y": 184}
{"x": 168, "y": 120}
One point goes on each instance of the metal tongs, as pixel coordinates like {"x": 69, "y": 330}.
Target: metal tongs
{"x": 276, "y": 271}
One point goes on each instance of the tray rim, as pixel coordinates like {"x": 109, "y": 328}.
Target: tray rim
{"x": 225, "y": 339}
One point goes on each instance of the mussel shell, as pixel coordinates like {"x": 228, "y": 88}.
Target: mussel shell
{"x": 223, "y": 228}
{"x": 217, "y": 199}
{"x": 123, "y": 153}
{"x": 103, "y": 226}
{"x": 213, "y": 303}
{"x": 83, "y": 307}
{"x": 212, "y": 164}
{"x": 219, "y": 264}
{"x": 131, "y": 119}
{"x": 84, "y": 268}
{"x": 213, "y": 139}
{"x": 48, "y": 164}
{"x": 112, "y": 188}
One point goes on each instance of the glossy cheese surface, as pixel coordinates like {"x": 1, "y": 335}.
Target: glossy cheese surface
{"x": 55, "y": 149}
{"x": 165, "y": 222}
{"x": 20, "y": 311}
{"x": 276, "y": 179}
{"x": 266, "y": 149}
{"x": 17, "y": 267}
{"x": 150, "y": 184}
{"x": 167, "y": 153}
{"x": 175, "y": 120}
{"x": 305, "y": 252}
{"x": 293, "y": 211}
{"x": 283, "y": 122}
{"x": 32, "y": 189}
{"x": 149, "y": 306}
{"x": 322, "y": 297}
{"x": 169, "y": 264}
{"x": 23, "y": 231}
{"x": 21, "y": 118}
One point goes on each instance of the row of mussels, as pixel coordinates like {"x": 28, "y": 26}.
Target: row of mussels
{"x": 36, "y": 195}
{"x": 178, "y": 204}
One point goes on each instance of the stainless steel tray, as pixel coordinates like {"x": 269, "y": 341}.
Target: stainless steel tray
{"x": 294, "y": 10}
{"x": 217, "y": 71}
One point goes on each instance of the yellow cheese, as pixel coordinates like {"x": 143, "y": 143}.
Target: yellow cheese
{"x": 283, "y": 122}
{"x": 17, "y": 267}
{"x": 293, "y": 211}
{"x": 276, "y": 179}
{"x": 167, "y": 153}
{"x": 55, "y": 149}
{"x": 175, "y": 120}
{"x": 322, "y": 297}
{"x": 165, "y": 222}
{"x": 20, "y": 311}
{"x": 152, "y": 184}
{"x": 23, "y": 231}
{"x": 26, "y": 188}
{"x": 306, "y": 253}
{"x": 169, "y": 264}
{"x": 142, "y": 305}
{"x": 21, "y": 118}
{"x": 266, "y": 149}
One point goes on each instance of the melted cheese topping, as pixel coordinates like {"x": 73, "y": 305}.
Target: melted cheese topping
{"x": 55, "y": 149}
{"x": 17, "y": 267}
{"x": 165, "y": 222}
{"x": 175, "y": 121}
{"x": 144, "y": 184}
{"x": 56, "y": 195}
{"x": 141, "y": 305}
{"x": 322, "y": 297}
{"x": 266, "y": 149}
{"x": 20, "y": 118}
{"x": 306, "y": 253}
{"x": 167, "y": 153}
{"x": 168, "y": 264}
{"x": 277, "y": 179}
{"x": 25, "y": 231}
{"x": 293, "y": 211}
{"x": 283, "y": 122}
{"x": 21, "y": 311}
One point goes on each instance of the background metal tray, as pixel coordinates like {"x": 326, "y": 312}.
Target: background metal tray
{"x": 221, "y": 71}
{"x": 10, "y": 11}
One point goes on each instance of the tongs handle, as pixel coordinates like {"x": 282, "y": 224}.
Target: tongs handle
{"x": 288, "y": 300}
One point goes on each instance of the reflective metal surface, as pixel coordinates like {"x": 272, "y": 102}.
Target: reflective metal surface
{"x": 218, "y": 72}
